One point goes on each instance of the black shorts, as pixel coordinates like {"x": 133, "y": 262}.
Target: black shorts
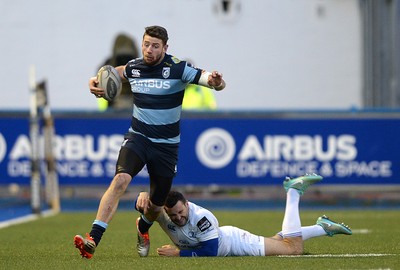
{"x": 161, "y": 158}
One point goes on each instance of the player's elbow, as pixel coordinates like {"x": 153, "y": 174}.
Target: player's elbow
{"x": 206, "y": 253}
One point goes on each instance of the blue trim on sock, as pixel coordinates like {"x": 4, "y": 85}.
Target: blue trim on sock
{"x": 100, "y": 223}
{"x": 146, "y": 220}
{"x": 293, "y": 234}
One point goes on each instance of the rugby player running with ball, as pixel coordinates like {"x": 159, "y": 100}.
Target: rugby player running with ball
{"x": 158, "y": 81}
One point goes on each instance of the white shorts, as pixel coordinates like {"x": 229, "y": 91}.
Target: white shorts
{"x": 237, "y": 242}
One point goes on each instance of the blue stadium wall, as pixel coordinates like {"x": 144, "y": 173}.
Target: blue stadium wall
{"x": 225, "y": 148}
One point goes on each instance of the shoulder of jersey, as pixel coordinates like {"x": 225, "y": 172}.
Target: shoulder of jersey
{"x": 175, "y": 59}
{"x": 135, "y": 61}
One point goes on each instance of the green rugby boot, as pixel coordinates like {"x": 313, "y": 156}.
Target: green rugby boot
{"x": 301, "y": 183}
{"x": 331, "y": 227}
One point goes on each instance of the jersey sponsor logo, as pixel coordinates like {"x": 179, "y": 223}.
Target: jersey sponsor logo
{"x": 151, "y": 83}
{"x": 166, "y": 72}
{"x": 192, "y": 234}
{"x": 135, "y": 73}
{"x": 203, "y": 224}
{"x": 171, "y": 227}
{"x": 175, "y": 59}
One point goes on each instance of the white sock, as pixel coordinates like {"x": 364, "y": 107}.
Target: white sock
{"x": 291, "y": 226}
{"x": 308, "y": 232}
{"x": 312, "y": 231}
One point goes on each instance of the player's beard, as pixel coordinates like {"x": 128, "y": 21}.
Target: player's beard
{"x": 150, "y": 60}
{"x": 181, "y": 222}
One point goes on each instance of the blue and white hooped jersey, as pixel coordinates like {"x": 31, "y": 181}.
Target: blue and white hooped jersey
{"x": 158, "y": 93}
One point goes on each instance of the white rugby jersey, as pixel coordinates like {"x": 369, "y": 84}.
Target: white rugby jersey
{"x": 202, "y": 226}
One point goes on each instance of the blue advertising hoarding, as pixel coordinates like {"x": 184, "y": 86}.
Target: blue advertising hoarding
{"x": 221, "y": 150}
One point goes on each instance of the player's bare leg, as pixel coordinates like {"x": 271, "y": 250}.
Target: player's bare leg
{"x": 292, "y": 242}
{"x": 108, "y": 205}
{"x": 110, "y": 200}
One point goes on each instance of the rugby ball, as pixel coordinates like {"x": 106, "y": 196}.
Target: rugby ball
{"x": 110, "y": 81}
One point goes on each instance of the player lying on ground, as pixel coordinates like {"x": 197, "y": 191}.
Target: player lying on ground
{"x": 195, "y": 231}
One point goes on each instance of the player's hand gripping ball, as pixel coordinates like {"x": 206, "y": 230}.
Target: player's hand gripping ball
{"x": 110, "y": 81}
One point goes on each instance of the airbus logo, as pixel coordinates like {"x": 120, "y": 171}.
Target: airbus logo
{"x": 215, "y": 148}
{"x": 151, "y": 83}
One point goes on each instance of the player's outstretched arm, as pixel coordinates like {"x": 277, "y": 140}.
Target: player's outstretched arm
{"x": 212, "y": 80}
{"x": 215, "y": 81}
{"x": 168, "y": 251}
{"x": 207, "y": 248}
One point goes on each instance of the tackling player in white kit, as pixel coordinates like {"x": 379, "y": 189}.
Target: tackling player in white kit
{"x": 195, "y": 230}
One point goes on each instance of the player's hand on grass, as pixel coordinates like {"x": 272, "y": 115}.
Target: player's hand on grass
{"x": 168, "y": 251}
{"x": 93, "y": 83}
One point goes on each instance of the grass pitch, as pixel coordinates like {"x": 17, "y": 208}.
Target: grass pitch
{"x": 48, "y": 243}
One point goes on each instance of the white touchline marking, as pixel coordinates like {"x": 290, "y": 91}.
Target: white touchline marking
{"x": 361, "y": 231}
{"x": 27, "y": 218}
{"x": 339, "y": 255}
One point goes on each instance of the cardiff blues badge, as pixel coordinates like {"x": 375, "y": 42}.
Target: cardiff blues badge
{"x": 165, "y": 72}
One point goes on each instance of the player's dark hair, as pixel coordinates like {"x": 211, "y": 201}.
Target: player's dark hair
{"x": 157, "y": 32}
{"x": 174, "y": 197}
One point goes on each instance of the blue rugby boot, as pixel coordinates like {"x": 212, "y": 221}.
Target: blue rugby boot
{"x": 331, "y": 227}
{"x": 301, "y": 183}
